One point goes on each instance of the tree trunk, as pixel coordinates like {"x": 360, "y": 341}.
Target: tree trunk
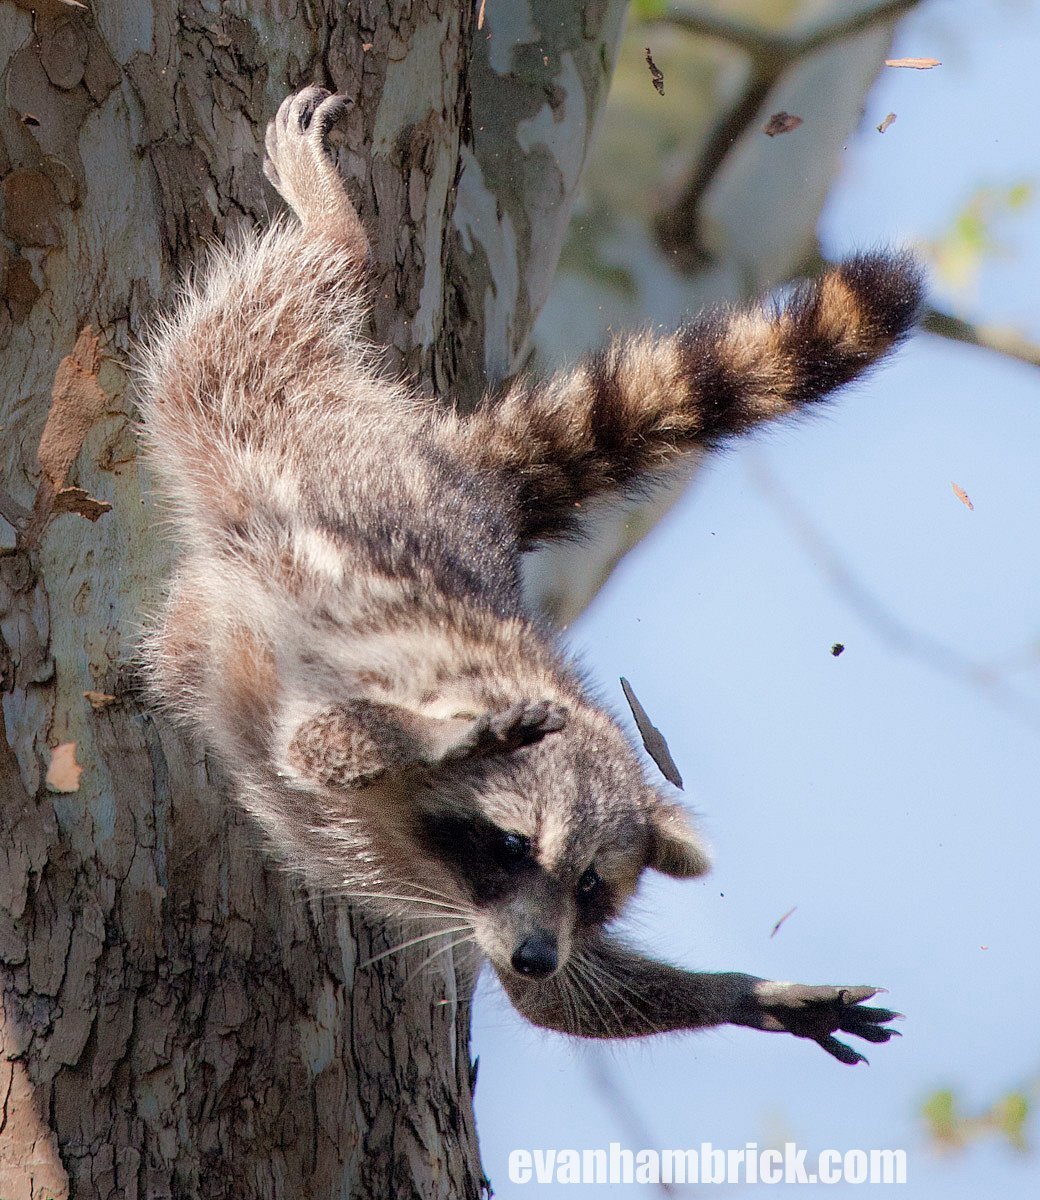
{"x": 178, "y": 1017}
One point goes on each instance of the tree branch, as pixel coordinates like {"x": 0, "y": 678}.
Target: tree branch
{"x": 912, "y": 643}
{"x": 771, "y": 55}
{"x": 1008, "y": 342}
{"x": 780, "y": 50}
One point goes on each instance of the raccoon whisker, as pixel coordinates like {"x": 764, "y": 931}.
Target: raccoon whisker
{"x": 413, "y": 906}
{"x": 466, "y": 938}
{"x": 576, "y": 993}
{"x": 358, "y": 892}
{"x": 607, "y": 985}
{"x": 363, "y": 894}
{"x": 423, "y": 937}
{"x": 622, "y": 992}
{"x": 410, "y": 885}
{"x": 593, "y": 992}
{"x": 568, "y": 994}
{"x": 429, "y": 891}
{"x": 598, "y": 1003}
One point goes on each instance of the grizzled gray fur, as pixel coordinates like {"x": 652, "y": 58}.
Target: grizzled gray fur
{"x": 346, "y": 628}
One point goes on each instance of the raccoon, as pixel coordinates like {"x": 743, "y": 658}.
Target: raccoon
{"x": 346, "y": 629}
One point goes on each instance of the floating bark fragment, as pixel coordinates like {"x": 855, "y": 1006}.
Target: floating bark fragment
{"x": 653, "y": 739}
{"x": 64, "y": 772}
{"x": 787, "y": 914}
{"x": 916, "y": 64}
{"x": 99, "y": 700}
{"x": 781, "y": 122}
{"x": 886, "y": 123}
{"x": 962, "y": 496}
{"x": 656, "y": 74}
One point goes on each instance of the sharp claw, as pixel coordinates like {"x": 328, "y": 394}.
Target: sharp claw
{"x": 844, "y": 1054}
{"x": 876, "y": 1016}
{"x": 870, "y": 1033}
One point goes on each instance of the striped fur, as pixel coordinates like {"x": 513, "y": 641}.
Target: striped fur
{"x": 626, "y": 413}
{"x": 346, "y": 629}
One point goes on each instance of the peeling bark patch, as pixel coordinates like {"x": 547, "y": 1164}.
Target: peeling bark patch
{"x": 77, "y": 401}
{"x": 64, "y": 772}
{"x": 64, "y": 54}
{"x": 31, "y": 206}
{"x": 19, "y": 289}
{"x": 26, "y": 1138}
{"x": 99, "y": 701}
{"x": 76, "y": 500}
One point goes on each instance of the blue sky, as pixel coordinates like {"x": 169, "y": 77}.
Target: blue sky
{"x": 894, "y": 803}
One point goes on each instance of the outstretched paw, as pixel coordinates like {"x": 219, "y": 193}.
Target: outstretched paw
{"x": 820, "y": 1012}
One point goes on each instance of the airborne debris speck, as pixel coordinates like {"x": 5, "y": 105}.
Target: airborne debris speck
{"x": 781, "y": 122}
{"x": 962, "y": 496}
{"x": 656, "y": 74}
{"x": 787, "y": 914}
{"x": 916, "y": 64}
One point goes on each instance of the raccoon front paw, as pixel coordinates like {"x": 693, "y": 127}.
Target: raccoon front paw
{"x": 820, "y": 1012}
{"x": 520, "y": 725}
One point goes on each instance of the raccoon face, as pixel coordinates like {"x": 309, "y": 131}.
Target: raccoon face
{"x": 547, "y": 845}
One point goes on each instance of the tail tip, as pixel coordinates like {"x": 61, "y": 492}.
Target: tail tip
{"x": 889, "y": 287}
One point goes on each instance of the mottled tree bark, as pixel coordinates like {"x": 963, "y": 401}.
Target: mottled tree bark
{"x": 180, "y": 1018}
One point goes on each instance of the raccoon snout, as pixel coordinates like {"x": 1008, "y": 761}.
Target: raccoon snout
{"x": 536, "y": 956}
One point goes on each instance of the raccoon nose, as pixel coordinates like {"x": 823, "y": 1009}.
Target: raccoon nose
{"x": 536, "y": 956}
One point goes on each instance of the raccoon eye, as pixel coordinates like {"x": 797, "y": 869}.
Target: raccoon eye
{"x": 589, "y": 883}
{"x": 516, "y": 846}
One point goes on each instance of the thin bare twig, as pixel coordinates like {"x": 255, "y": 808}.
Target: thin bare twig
{"x": 782, "y": 49}
{"x": 989, "y": 337}
{"x": 770, "y": 55}
{"x": 913, "y": 643}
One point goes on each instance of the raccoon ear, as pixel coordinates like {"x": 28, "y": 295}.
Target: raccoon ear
{"x": 675, "y": 848}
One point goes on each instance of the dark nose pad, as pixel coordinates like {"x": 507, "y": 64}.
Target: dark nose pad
{"x": 536, "y": 955}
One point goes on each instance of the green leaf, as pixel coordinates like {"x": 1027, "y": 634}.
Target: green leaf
{"x": 649, "y": 10}
{"x": 940, "y": 1111}
{"x": 1010, "y": 1114}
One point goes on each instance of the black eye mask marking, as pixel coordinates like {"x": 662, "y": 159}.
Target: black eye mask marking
{"x": 489, "y": 860}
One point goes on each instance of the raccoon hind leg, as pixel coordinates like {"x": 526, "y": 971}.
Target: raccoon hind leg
{"x": 300, "y": 165}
